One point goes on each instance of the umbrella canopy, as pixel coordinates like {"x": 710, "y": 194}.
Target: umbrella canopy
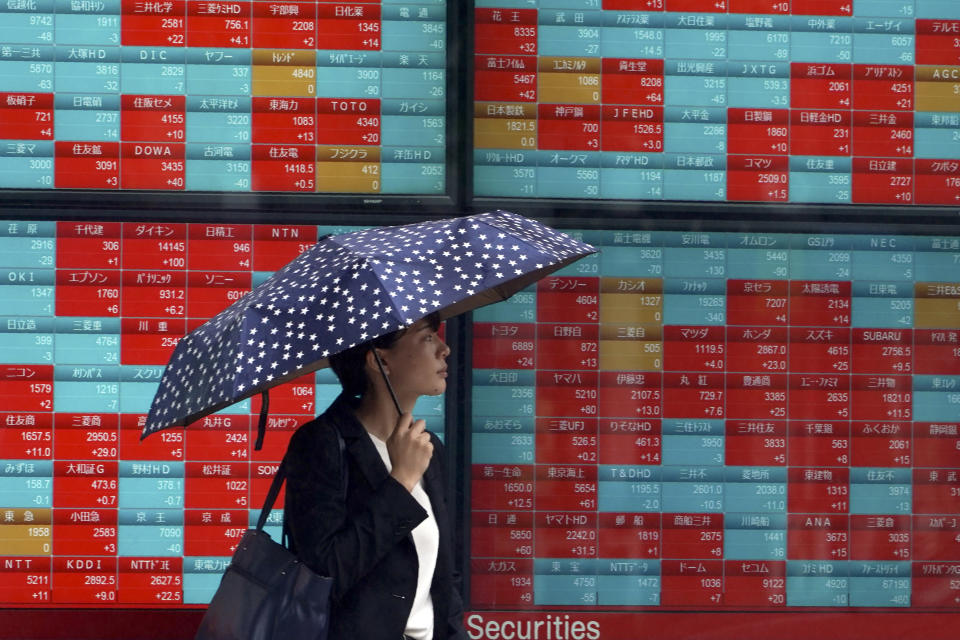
{"x": 348, "y": 289}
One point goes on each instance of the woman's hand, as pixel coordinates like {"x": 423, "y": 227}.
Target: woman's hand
{"x": 410, "y": 450}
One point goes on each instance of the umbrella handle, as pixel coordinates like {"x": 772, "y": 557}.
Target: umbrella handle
{"x": 393, "y": 395}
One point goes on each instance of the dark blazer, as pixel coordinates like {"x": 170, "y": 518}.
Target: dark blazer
{"x": 363, "y": 538}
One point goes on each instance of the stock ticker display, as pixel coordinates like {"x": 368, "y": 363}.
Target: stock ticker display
{"x": 224, "y": 95}
{"x": 722, "y": 420}
{"x": 708, "y": 420}
{"x": 799, "y": 101}
{"x": 91, "y": 312}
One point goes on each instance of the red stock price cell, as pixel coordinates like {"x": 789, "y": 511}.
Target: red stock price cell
{"x": 213, "y": 532}
{"x": 820, "y": 86}
{"x": 935, "y": 584}
{"x": 218, "y": 23}
{"x": 296, "y": 397}
{"x": 220, "y": 437}
{"x": 217, "y": 485}
{"x": 755, "y": 443}
{"x": 88, "y": 292}
{"x": 153, "y": 166}
{"x": 154, "y": 294}
{"x": 632, "y": 129}
{"x": 501, "y": 582}
{"x": 936, "y": 491}
{"x": 758, "y": 131}
{"x": 629, "y": 535}
{"x": 149, "y": 341}
{"x": 154, "y": 246}
{"x": 882, "y": 87}
{"x": 754, "y": 583}
{"x": 219, "y": 247}
{"x": 693, "y": 395}
{"x": 261, "y": 477}
{"x": 26, "y": 116}
{"x": 936, "y": 444}
{"x": 691, "y": 582}
{"x": 79, "y": 484}
{"x": 284, "y": 168}
{"x": 936, "y": 538}
{"x": 633, "y": 5}
{"x": 881, "y": 397}
{"x": 566, "y": 488}
{"x": 821, "y": 443}
{"x": 938, "y": 41}
{"x": 757, "y": 349}
{"x": 279, "y": 429}
{"x": 820, "y": 132}
{"x": 817, "y": 536}
{"x": 284, "y": 120}
{"x": 630, "y": 441}
{"x": 153, "y": 118}
{"x": 709, "y": 6}
{"x": 881, "y": 444}
{"x": 760, "y": 178}
{"x": 882, "y": 351}
{"x": 158, "y": 24}
{"x": 822, "y": 7}
{"x": 27, "y": 387}
{"x": 355, "y": 122}
{"x": 880, "y": 537}
{"x": 284, "y": 25}
{"x": 26, "y": 436}
{"x": 88, "y": 245}
{"x": 163, "y": 445}
{"x": 84, "y": 580}
{"x": 937, "y": 351}
{"x": 505, "y": 31}
{"x": 694, "y": 348}
{"x": 501, "y": 534}
{"x": 87, "y": 165}
{"x": 692, "y": 535}
{"x": 816, "y": 350}
{"x": 504, "y": 346}
{"x": 819, "y": 304}
{"x": 818, "y": 490}
{"x": 502, "y": 487}
{"x": 631, "y": 81}
{"x": 349, "y": 26}
{"x": 213, "y": 291}
{"x": 569, "y": 347}
{"x": 505, "y": 78}
{"x": 568, "y": 127}
{"x": 625, "y": 394}
{"x": 566, "y": 440}
{"x": 752, "y": 397}
{"x": 25, "y": 580}
{"x": 567, "y": 393}
{"x": 565, "y": 299}
{"x": 151, "y": 580}
{"x": 86, "y": 436}
{"x": 883, "y": 180}
{"x": 276, "y": 245}
{"x": 87, "y": 532}
{"x": 565, "y": 535}
{"x": 886, "y": 134}
{"x": 781, "y": 7}
{"x": 938, "y": 181}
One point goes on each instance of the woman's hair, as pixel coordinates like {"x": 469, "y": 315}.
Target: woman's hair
{"x": 350, "y": 365}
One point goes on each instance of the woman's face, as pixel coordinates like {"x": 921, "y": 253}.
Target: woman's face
{"x": 417, "y": 362}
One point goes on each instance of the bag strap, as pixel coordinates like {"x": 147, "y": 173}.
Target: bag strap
{"x": 281, "y": 476}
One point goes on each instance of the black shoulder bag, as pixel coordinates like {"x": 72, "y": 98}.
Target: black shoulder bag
{"x": 266, "y": 593}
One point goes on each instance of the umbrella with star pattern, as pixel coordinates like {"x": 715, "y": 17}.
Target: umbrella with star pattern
{"x": 348, "y": 289}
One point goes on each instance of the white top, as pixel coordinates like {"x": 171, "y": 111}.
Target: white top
{"x": 426, "y": 538}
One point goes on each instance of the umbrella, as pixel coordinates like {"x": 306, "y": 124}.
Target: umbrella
{"x": 348, "y": 289}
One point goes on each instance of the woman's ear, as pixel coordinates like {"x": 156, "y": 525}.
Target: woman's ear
{"x": 371, "y": 361}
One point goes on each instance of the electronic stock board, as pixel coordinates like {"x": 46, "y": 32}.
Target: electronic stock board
{"x": 706, "y": 421}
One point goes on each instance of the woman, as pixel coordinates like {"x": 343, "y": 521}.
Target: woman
{"x": 385, "y": 537}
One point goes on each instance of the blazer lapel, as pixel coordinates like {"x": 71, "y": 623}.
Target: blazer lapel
{"x": 358, "y": 444}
